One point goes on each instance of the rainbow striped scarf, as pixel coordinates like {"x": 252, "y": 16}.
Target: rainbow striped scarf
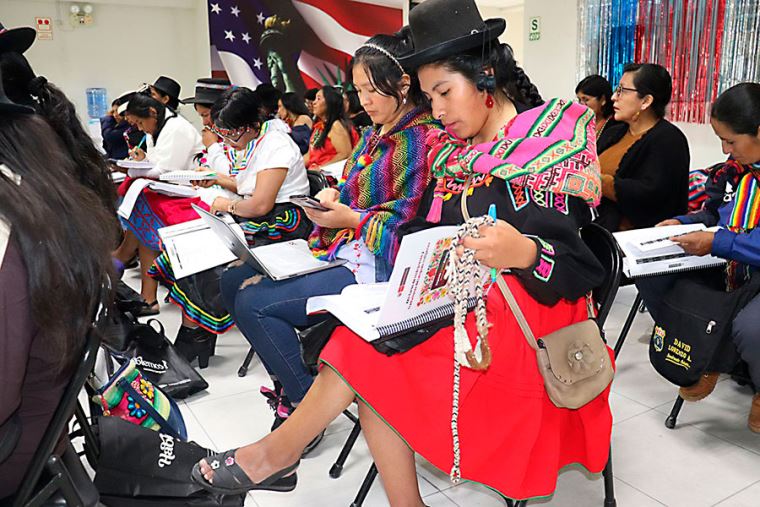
{"x": 746, "y": 213}
{"x": 386, "y": 191}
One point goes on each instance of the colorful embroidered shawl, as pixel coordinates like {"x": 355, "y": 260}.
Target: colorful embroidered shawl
{"x": 548, "y": 148}
{"x": 387, "y": 192}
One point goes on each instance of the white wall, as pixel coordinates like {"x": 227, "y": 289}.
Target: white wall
{"x": 551, "y": 64}
{"x": 515, "y": 26}
{"x": 130, "y": 42}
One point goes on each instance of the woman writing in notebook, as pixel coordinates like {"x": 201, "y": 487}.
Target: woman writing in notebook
{"x": 332, "y": 137}
{"x": 385, "y": 178}
{"x": 171, "y": 143}
{"x": 517, "y": 444}
{"x": 272, "y": 171}
{"x": 733, "y": 204}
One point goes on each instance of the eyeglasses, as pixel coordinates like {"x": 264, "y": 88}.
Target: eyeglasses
{"x": 232, "y": 135}
{"x": 620, "y": 89}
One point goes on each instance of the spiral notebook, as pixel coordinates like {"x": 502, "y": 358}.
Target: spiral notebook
{"x": 649, "y": 252}
{"x": 416, "y": 296}
{"x": 187, "y": 176}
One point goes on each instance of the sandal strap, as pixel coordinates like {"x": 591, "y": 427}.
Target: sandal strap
{"x": 227, "y": 473}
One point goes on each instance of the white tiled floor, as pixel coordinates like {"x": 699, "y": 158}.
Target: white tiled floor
{"x": 711, "y": 458}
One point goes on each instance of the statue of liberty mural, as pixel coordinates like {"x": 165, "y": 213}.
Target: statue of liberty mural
{"x": 281, "y": 56}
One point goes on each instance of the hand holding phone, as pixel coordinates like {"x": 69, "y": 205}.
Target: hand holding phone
{"x": 306, "y": 201}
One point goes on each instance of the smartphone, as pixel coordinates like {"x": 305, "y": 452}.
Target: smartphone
{"x": 306, "y": 201}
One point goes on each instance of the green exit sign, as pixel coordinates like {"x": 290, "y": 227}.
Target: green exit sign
{"x": 534, "y": 28}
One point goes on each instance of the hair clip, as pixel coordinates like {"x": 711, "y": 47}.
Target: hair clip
{"x": 8, "y": 173}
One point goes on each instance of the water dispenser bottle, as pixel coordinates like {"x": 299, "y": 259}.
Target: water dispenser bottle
{"x": 97, "y": 102}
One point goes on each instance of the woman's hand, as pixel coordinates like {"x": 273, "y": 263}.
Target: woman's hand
{"x": 695, "y": 243}
{"x": 328, "y": 194}
{"x": 203, "y": 183}
{"x": 340, "y": 216}
{"x": 220, "y": 204}
{"x": 669, "y": 221}
{"x": 137, "y": 153}
{"x": 501, "y": 247}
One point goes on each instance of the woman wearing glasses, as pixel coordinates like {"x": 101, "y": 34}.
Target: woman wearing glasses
{"x": 644, "y": 161}
{"x": 271, "y": 171}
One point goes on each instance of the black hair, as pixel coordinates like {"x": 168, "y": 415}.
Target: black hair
{"x": 739, "y": 108}
{"x": 236, "y": 108}
{"x": 652, "y": 79}
{"x": 384, "y": 73}
{"x": 173, "y": 103}
{"x": 140, "y": 105}
{"x": 598, "y": 87}
{"x": 354, "y": 104}
{"x": 334, "y": 104}
{"x": 52, "y": 216}
{"x": 268, "y": 98}
{"x": 22, "y": 86}
{"x": 311, "y": 94}
{"x": 510, "y": 79}
{"x": 294, "y": 104}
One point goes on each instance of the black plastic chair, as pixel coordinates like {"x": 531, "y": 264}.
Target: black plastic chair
{"x": 604, "y": 247}
{"x": 317, "y": 182}
{"x": 61, "y": 480}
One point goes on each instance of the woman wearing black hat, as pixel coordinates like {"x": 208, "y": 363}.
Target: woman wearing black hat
{"x": 49, "y": 283}
{"x": 533, "y": 162}
{"x": 166, "y": 91}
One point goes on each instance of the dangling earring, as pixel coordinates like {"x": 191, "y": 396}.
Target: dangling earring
{"x": 403, "y": 100}
{"x": 636, "y": 116}
{"x": 489, "y": 101}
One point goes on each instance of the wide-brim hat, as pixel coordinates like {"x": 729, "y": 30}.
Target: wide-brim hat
{"x": 443, "y": 28}
{"x": 8, "y": 106}
{"x": 207, "y": 91}
{"x": 167, "y": 86}
{"x": 17, "y": 40}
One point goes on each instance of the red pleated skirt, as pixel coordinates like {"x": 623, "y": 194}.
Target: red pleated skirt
{"x": 513, "y": 439}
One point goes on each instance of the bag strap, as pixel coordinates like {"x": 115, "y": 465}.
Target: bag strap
{"x": 152, "y": 412}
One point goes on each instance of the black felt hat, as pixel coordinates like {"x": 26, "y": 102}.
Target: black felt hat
{"x": 7, "y": 105}
{"x": 167, "y": 86}
{"x": 17, "y": 40}
{"x": 442, "y": 28}
{"x": 207, "y": 91}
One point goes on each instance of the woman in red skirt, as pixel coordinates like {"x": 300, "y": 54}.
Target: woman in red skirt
{"x": 537, "y": 163}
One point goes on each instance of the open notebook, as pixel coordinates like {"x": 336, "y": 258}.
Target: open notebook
{"x": 416, "y": 296}
{"x": 193, "y": 247}
{"x": 649, "y": 252}
{"x": 278, "y": 261}
{"x": 187, "y": 176}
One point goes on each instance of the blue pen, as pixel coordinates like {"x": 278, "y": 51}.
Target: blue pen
{"x": 492, "y": 214}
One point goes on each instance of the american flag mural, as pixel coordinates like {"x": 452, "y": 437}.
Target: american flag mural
{"x": 294, "y": 44}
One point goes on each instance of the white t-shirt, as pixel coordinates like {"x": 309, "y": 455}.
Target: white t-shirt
{"x": 275, "y": 149}
{"x": 178, "y": 143}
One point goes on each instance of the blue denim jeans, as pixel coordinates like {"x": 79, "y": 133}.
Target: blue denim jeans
{"x": 268, "y": 312}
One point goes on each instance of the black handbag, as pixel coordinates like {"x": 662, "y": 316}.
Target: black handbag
{"x": 141, "y": 467}
{"x": 160, "y": 362}
{"x": 692, "y": 334}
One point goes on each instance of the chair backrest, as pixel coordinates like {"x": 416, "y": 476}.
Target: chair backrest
{"x": 604, "y": 247}
{"x": 317, "y": 182}
{"x": 60, "y": 419}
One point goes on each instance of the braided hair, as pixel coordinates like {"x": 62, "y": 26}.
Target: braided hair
{"x": 510, "y": 78}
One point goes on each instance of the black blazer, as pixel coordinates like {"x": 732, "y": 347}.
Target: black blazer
{"x": 652, "y": 182}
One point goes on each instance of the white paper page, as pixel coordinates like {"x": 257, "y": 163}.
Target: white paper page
{"x": 357, "y": 307}
{"x": 657, "y": 239}
{"x": 193, "y": 247}
{"x": 172, "y": 190}
{"x": 418, "y": 283}
{"x": 130, "y": 198}
{"x": 335, "y": 169}
{"x": 187, "y": 176}
{"x": 118, "y": 177}
{"x": 135, "y": 164}
{"x": 287, "y": 258}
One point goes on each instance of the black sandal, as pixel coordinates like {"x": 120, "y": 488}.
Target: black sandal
{"x": 230, "y": 479}
{"x": 146, "y": 309}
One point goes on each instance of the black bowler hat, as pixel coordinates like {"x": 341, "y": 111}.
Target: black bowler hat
{"x": 17, "y": 40}
{"x": 442, "y": 28}
{"x": 167, "y": 86}
{"x": 7, "y": 105}
{"x": 207, "y": 91}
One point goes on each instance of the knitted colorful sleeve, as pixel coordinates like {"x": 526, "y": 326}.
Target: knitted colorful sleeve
{"x": 386, "y": 191}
